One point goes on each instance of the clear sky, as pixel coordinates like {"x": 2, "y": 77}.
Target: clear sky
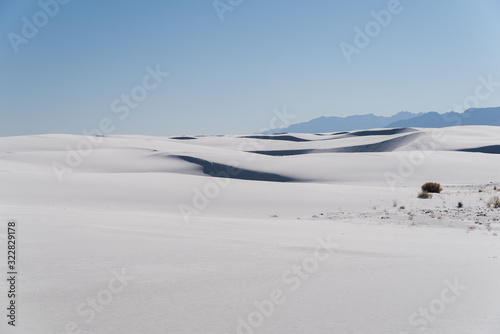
{"x": 227, "y": 76}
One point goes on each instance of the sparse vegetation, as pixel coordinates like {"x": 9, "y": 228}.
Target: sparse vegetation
{"x": 432, "y": 187}
{"x": 402, "y": 207}
{"x": 424, "y": 194}
{"x": 460, "y": 204}
{"x": 480, "y": 190}
{"x": 494, "y": 202}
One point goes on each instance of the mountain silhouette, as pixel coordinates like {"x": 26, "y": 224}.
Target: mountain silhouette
{"x": 404, "y": 119}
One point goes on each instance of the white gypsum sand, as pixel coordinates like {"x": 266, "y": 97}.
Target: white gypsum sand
{"x": 312, "y": 234}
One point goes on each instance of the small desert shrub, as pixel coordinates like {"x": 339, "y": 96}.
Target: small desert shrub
{"x": 494, "y": 202}
{"x": 424, "y": 194}
{"x": 460, "y": 205}
{"x": 432, "y": 187}
{"x": 495, "y": 188}
{"x": 480, "y": 190}
{"x": 402, "y": 207}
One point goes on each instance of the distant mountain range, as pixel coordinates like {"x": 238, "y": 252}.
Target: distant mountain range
{"x": 474, "y": 116}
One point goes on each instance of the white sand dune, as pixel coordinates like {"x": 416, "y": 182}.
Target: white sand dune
{"x": 207, "y": 227}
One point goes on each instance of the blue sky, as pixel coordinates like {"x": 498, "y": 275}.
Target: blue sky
{"x": 227, "y": 76}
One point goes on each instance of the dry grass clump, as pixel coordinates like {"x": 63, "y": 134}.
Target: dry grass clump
{"x": 424, "y": 194}
{"x": 432, "y": 187}
{"x": 494, "y": 202}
